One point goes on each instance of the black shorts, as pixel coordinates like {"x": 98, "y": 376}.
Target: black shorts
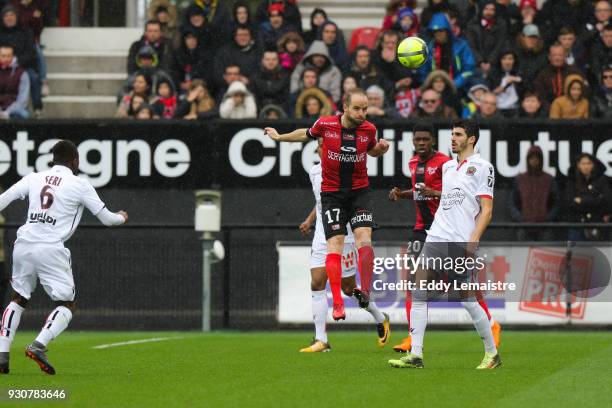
{"x": 341, "y": 207}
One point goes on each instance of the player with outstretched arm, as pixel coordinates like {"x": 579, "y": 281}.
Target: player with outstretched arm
{"x": 56, "y": 201}
{"x": 426, "y": 176}
{"x": 318, "y": 281}
{"x": 347, "y": 141}
{"x": 465, "y": 211}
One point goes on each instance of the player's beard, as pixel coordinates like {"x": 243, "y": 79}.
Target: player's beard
{"x": 353, "y": 121}
{"x": 459, "y": 147}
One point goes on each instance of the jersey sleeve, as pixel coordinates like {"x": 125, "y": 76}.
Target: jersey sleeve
{"x": 316, "y": 130}
{"x": 90, "y": 199}
{"x": 373, "y": 138}
{"x": 486, "y": 181}
{"x": 19, "y": 191}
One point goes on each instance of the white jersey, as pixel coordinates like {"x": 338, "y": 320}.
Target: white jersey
{"x": 319, "y": 240}
{"x": 462, "y": 186}
{"x": 56, "y": 201}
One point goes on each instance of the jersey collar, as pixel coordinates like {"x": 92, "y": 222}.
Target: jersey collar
{"x": 471, "y": 157}
{"x": 61, "y": 169}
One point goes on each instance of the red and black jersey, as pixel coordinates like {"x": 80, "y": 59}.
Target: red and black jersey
{"x": 344, "y": 153}
{"x": 430, "y": 173}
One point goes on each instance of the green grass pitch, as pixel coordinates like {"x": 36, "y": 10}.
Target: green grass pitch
{"x": 231, "y": 369}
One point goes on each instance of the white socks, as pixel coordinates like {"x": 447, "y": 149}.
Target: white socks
{"x": 319, "y": 313}
{"x": 482, "y": 324}
{"x": 418, "y": 324}
{"x": 9, "y": 325}
{"x": 376, "y": 314}
{"x": 56, "y": 323}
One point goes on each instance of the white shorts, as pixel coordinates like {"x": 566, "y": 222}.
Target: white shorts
{"x": 349, "y": 259}
{"x": 49, "y": 263}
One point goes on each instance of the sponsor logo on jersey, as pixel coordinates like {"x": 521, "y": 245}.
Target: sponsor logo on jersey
{"x": 41, "y": 218}
{"x": 348, "y": 149}
{"x": 347, "y": 136}
{"x": 470, "y": 171}
{"x": 420, "y": 170}
{"x": 331, "y": 135}
{"x": 347, "y": 158}
{"x": 451, "y": 199}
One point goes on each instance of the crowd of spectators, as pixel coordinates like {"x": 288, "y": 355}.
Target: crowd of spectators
{"x": 490, "y": 59}
{"x": 23, "y": 78}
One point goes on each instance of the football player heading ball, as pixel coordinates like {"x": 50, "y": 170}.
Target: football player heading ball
{"x": 348, "y": 139}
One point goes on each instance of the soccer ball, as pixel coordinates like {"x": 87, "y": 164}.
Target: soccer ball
{"x": 412, "y": 52}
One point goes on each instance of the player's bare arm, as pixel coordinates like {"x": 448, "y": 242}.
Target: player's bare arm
{"x": 298, "y": 135}
{"x": 307, "y": 224}
{"x": 484, "y": 218}
{"x": 396, "y": 194}
{"x": 379, "y": 149}
{"x": 426, "y": 191}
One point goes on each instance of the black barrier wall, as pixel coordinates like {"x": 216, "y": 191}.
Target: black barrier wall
{"x": 236, "y": 154}
{"x": 150, "y": 278}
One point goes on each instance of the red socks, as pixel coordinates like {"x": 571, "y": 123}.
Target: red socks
{"x": 333, "y": 268}
{"x": 366, "y": 265}
{"x": 482, "y": 303}
{"x": 484, "y": 306}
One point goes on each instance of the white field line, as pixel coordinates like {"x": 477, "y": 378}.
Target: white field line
{"x": 129, "y": 343}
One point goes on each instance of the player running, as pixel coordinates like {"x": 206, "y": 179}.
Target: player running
{"x": 319, "y": 277}
{"x": 466, "y": 210}
{"x": 56, "y": 200}
{"x": 347, "y": 140}
{"x": 426, "y": 175}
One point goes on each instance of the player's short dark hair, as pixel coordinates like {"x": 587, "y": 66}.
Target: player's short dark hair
{"x": 470, "y": 126}
{"x": 424, "y": 127}
{"x": 355, "y": 91}
{"x": 64, "y": 152}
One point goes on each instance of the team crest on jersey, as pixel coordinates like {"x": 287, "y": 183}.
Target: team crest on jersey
{"x": 471, "y": 171}
{"x": 363, "y": 139}
{"x": 431, "y": 170}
